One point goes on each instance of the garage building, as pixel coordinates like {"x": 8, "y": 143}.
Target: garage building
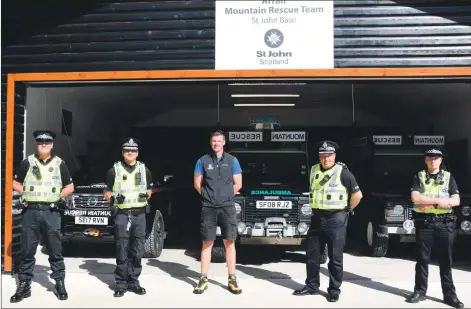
{"x": 399, "y": 65}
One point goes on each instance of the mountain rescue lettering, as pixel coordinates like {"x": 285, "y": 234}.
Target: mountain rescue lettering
{"x": 429, "y": 140}
{"x": 289, "y": 136}
{"x": 77, "y": 213}
{"x": 245, "y": 136}
{"x": 387, "y": 140}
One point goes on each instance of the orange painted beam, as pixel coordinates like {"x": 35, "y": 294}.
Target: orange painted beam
{"x": 210, "y": 74}
{"x": 10, "y": 122}
{"x": 184, "y": 74}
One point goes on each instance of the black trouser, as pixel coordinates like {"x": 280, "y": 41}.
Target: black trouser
{"x": 326, "y": 229}
{"x": 429, "y": 234}
{"x": 45, "y": 223}
{"x": 130, "y": 242}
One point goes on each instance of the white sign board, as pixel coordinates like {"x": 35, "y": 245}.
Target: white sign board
{"x": 288, "y": 136}
{"x": 387, "y": 139}
{"x": 429, "y": 140}
{"x": 258, "y": 35}
{"x": 245, "y": 136}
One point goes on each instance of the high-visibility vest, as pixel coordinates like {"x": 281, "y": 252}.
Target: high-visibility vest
{"x": 125, "y": 183}
{"x": 46, "y": 189}
{"x": 434, "y": 190}
{"x": 332, "y": 194}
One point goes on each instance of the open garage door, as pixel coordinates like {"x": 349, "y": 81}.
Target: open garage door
{"x": 174, "y": 119}
{"x": 384, "y": 160}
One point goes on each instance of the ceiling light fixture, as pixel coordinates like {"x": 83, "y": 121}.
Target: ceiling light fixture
{"x": 267, "y": 84}
{"x": 263, "y": 104}
{"x": 265, "y": 95}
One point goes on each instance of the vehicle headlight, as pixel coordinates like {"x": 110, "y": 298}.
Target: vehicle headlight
{"x": 238, "y": 208}
{"x": 302, "y": 227}
{"x": 241, "y": 227}
{"x": 466, "y": 226}
{"x": 408, "y": 225}
{"x": 306, "y": 210}
{"x": 398, "y": 210}
{"x": 466, "y": 210}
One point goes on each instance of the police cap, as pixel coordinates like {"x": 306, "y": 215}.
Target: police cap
{"x": 44, "y": 136}
{"x": 131, "y": 143}
{"x": 435, "y": 152}
{"x": 328, "y": 147}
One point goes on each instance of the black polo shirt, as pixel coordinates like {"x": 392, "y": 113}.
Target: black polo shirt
{"x": 24, "y": 167}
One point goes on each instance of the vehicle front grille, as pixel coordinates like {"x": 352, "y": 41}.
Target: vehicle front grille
{"x": 252, "y": 214}
{"x": 90, "y": 201}
{"x": 407, "y": 215}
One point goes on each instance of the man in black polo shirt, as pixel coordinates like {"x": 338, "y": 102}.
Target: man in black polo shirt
{"x": 334, "y": 192}
{"x": 44, "y": 181}
{"x": 128, "y": 187}
{"x": 434, "y": 194}
{"x": 218, "y": 177}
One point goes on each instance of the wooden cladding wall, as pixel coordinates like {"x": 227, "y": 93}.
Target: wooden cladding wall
{"x": 20, "y": 98}
{"x": 155, "y": 35}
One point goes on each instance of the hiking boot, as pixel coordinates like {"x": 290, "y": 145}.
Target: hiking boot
{"x": 202, "y": 285}
{"x": 233, "y": 285}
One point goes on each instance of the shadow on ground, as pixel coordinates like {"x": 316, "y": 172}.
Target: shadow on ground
{"x": 180, "y": 272}
{"x": 251, "y": 255}
{"x": 102, "y": 271}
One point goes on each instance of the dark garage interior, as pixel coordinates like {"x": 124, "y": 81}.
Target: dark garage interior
{"x": 174, "y": 120}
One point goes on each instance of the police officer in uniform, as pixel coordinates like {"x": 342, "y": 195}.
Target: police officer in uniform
{"x": 44, "y": 181}
{"x": 434, "y": 194}
{"x": 128, "y": 187}
{"x": 334, "y": 192}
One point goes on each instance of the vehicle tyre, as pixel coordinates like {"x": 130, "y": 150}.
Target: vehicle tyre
{"x": 377, "y": 239}
{"x": 155, "y": 240}
{"x": 218, "y": 252}
{"x": 324, "y": 255}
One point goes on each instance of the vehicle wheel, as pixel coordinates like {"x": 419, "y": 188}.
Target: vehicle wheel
{"x": 155, "y": 240}
{"x": 218, "y": 252}
{"x": 324, "y": 255}
{"x": 377, "y": 240}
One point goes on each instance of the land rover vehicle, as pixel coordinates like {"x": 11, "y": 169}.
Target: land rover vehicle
{"x": 463, "y": 214}
{"x": 88, "y": 218}
{"x": 384, "y": 166}
{"x": 273, "y": 204}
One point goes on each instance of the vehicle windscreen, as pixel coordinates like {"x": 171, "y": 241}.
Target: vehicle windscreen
{"x": 395, "y": 171}
{"x": 90, "y": 174}
{"x": 273, "y": 169}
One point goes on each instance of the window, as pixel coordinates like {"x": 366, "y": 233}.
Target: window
{"x": 282, "y": 168}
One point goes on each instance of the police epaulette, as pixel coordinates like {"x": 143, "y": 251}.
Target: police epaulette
{"x": 342, "y": 164}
